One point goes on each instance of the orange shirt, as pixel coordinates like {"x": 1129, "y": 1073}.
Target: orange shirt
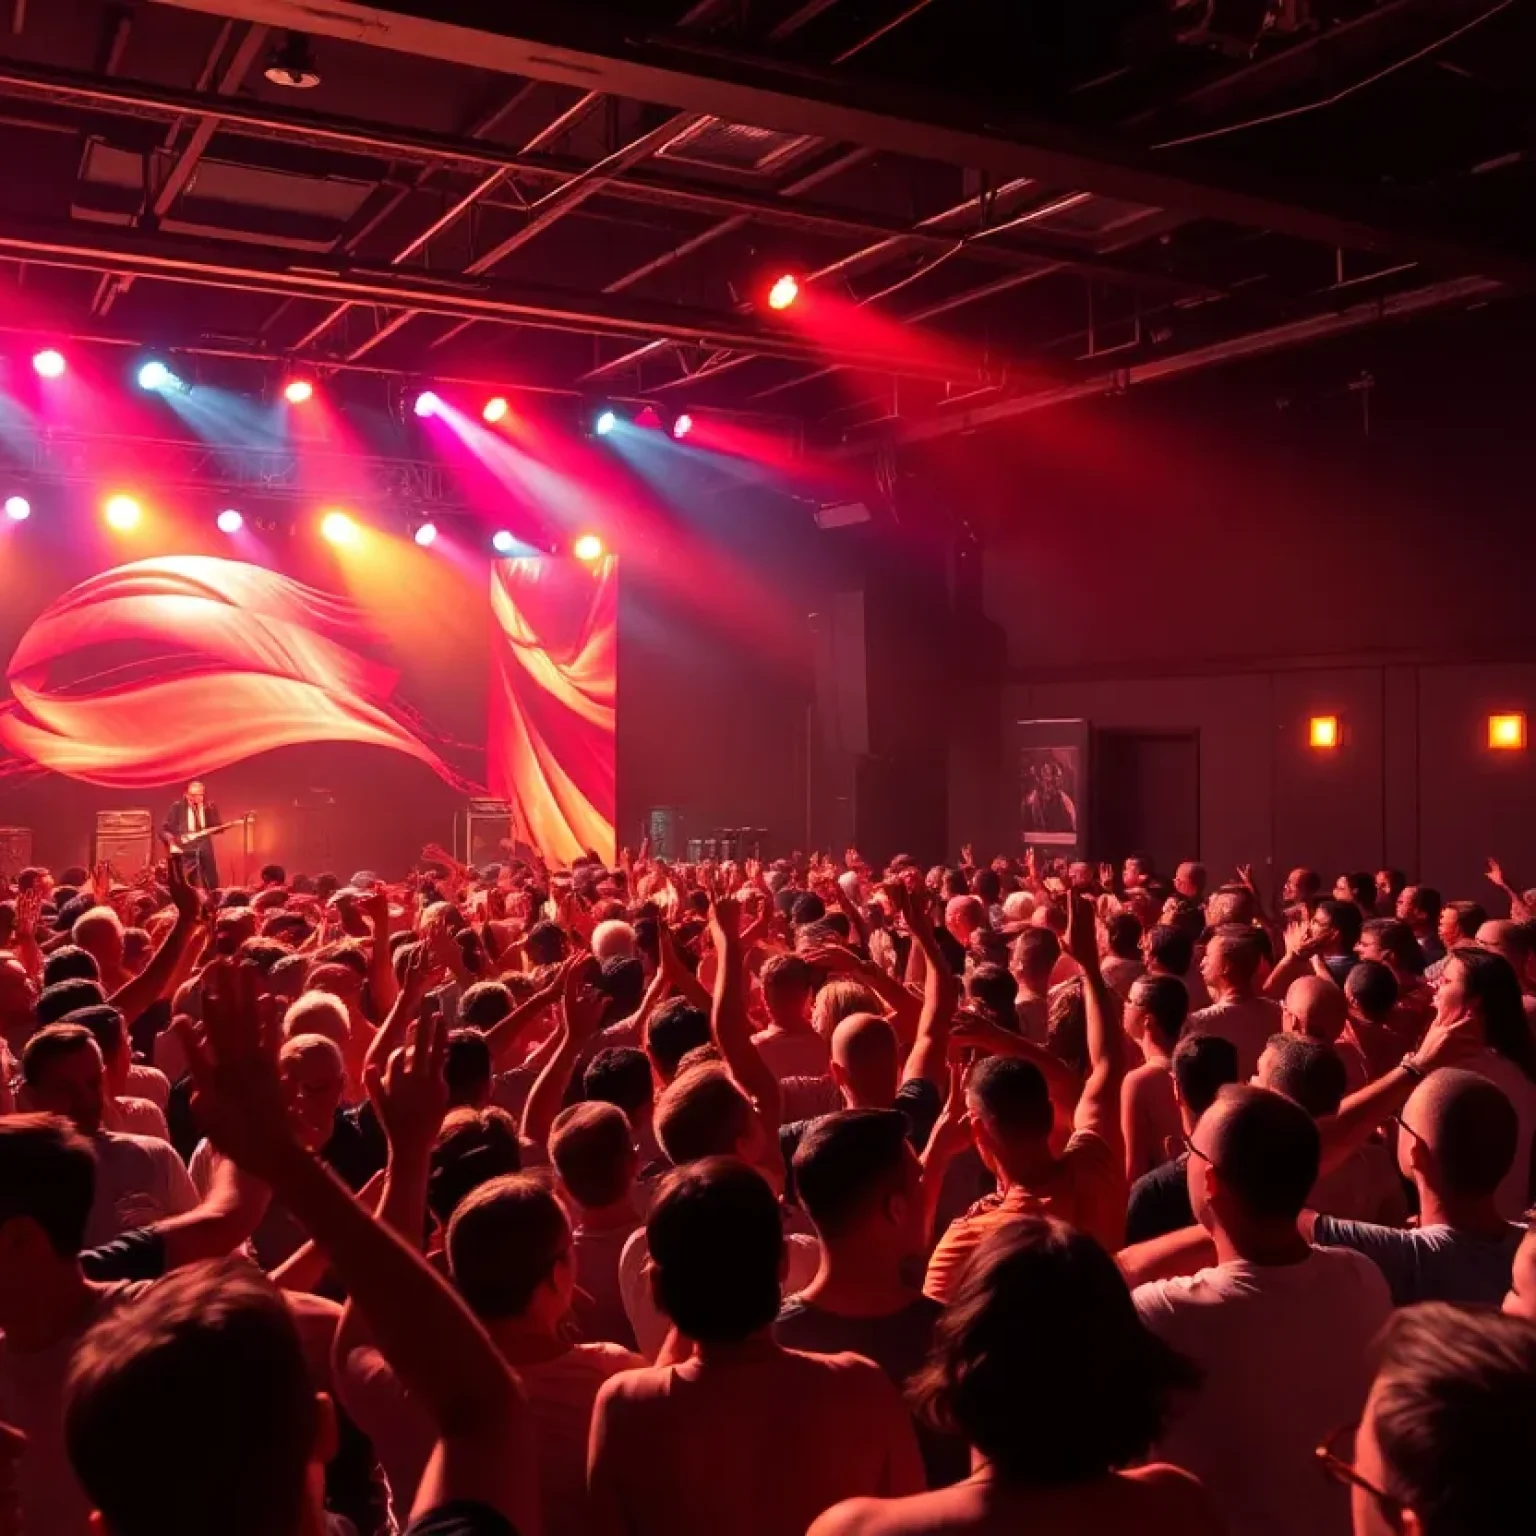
{"x": 1086, "y": 1189}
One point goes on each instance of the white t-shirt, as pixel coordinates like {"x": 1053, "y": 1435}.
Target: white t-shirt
{"x": 652, "y": 1325}
{"x": 793, "y": 1053}
{"x": 137, "y": 1117}
{"x": 1513, "y": 1193}
{"x": 139, "y": 1180}
{"x": 1284, "y": 1350}
{"x": 1247, "y": 1023}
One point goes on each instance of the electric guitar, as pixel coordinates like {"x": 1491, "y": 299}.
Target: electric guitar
{"x": 223, "y": 826}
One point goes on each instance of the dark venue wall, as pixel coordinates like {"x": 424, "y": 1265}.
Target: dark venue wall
{"x": 1344, "y": 532}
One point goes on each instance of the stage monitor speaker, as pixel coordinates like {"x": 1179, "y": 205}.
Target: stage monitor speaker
{"x": 486, "y": 825}
{"x": 125, "y": 840}
{"x": 15, "y": 851}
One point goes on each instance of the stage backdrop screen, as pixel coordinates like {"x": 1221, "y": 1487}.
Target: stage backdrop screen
{"x": 352, "y": 699}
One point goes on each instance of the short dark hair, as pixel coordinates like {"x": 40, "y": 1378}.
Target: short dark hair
{"x": 1470, "y": 916}
{"x": 620, "y": 1075}
{"x": 545, "y": 943}
{"x": 1427, "y": 899}
{"x": 593, "y": 1149}
{"x": 717, "y": 1241}
{"x": 484, "y": 1004}
{"x": 1472, "y": 1127}
{"x": 211, "y": 1357}
{"x": 64, "y": 997}
{"x": 70, "y": 963}
{"x": 48, "y": 1174}
{"x": 1042, "y": 1302}
{"x": 808, "y": 908}
{"x": 1170, "y": 949}
{"x": 622, "y": 982}
{"x": 503, "y": 1241}
{"x": 994, "y": 986}
{"x": 1455, "y": 1397}
{"x": 1345, "y": 918}
{"x": 787, "y": 973}
{"x": 105, "y": 1024}
{"x": 1242, "y": 949}
{"x": 1202, "y": 1066}
{"x": 1308, "y": 1071}
{"x": 1122, "y": 935}
{"x": 1166, "y": 1001}
{"x": 467, "y": 1066}
{"x": 272, "y": 874}
{"x": 702, "y": 1113}
{"x": 1037, "y": 950}
{"x": 1397, "y": 939}
{"x": 1013, "y": 1096}
{"x": 52, "y": 1044}
{"x": 847, "y": 1163}
{"x": 1268, "y": 1152}
{"x": 263, "y": 952}
{"x": 1372, "y": 988}
{"x": 1362, "y": 888}
{"x": 473, "y": 1146}
{"x": 673, "y": 1030}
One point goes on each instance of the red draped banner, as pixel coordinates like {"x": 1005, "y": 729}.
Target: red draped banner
{"x": 554, "y": 685}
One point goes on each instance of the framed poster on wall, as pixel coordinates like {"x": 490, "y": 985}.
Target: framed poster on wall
{"x": 1052, "y": 765}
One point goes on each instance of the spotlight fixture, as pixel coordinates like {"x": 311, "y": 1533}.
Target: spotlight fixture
{"x": 1506, "y": 733}
{"x": 588, "y": 547}
{"x": 297, "y": 391}
{"x": 230, "y": 521}
{"x": 784, "y": 292}
{"x": 292, "y": 65}
{"x": 426, "y": 535}
{"x": 154, "y": 375}
{"x": 1323, "y": 732}
{"x": 682, "y": 426}
{"x": 18, "y": 508}
{"x": 122, "y": 512}
{"x": 427, "y": 404}
{"x": 338, "y": 528}
{"x": 605, "y": 423}
{"x": 503, "y": 542}
{"x": 495, "y": 408}
{"x": 49, "y": 363}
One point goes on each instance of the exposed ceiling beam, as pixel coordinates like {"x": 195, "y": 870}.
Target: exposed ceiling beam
{"x": 601, "y": 52}
{"x": 96, "y": 250}
{"x": 1334, "y": 322}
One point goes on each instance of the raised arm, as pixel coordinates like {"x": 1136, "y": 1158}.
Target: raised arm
{"x": 906, "y": 1009}
{"x": 1098, "y": 1108}
{"x": 581, "y": 1012}
{"x": 929, "y": 1055}
{"x": 151, "y": 984}
{"x": 440, "y": 1353}
{"x": 381, "y": 968}
{"x": 1518, "y": 911}
{"x": 729, "y": 1023}
{"x": 1300, "y": 950}
{"x": 505, "y": 1033}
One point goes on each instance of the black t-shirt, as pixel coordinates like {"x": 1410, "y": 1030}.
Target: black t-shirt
{"x": 1159, "y": 1202}
{"x": 918, "y": 1099}
{"x": 461, "y": 1518}
{"x": 135, "y": 1255}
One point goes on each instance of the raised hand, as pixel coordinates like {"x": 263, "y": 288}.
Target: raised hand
{"x": 951, "y": 1132}
{"x": 837, "y": 960}
{"x": 237, "y": 1093}
{"x": 184, "y": 897}
{"x": 1107, "y": 877}
{"x": 1496, "y": 874}
{"x": 101, "y": 883}
{"x": 375, "y": 907}
{"x": 1082, "y": 940}
{"x": 29, "y": 907}
{"x": 1245, "y": 878}
{"x": 968, "y": 857}
{"x": 1449, "y": 1040}
{"x": 409, "y": 1094}
{"x": 581, "y": 1004}
{"x": 724, "y": 918}
{"x": 1299, "y": 940}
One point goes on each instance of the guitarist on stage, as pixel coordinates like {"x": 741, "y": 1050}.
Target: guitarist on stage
{"x": 192, "y": 813}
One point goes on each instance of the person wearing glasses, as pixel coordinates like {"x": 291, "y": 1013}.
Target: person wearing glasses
{"x": 1443, "y": 1447}
{"x": 1280, "y": 1330}
{"x": 1456, "y": 1141}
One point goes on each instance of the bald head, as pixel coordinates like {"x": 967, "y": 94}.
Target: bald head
{"x": 1265, "y": 1151}
{"x": 864, "y": 1064}
{"x": 1468, "y": 1128}
{"x": 1315, "y": 1007}
{"x": 1510, "y": 940}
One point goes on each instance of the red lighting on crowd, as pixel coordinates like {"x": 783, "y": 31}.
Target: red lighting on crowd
{"x": 784, "y": 292}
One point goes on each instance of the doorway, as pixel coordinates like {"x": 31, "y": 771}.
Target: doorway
{"x": 1146, "y": 796}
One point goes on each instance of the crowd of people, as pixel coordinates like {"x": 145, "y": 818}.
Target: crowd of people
{"x": 1028, "y": 1196}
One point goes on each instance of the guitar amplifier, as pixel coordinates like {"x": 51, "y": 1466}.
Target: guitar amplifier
{"x": 15, "y": 851}
{"x": 486, "y": 824}
{"x": 125, "y": 840}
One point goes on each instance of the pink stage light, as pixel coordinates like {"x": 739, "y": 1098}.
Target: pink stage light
{"x": 427, "y": 404}
{"x": 122, "y": 512}
{"x": 682, "y": 426}
{"x": 49, "y": 363}
{"x": 588, "y": 547}
{"x": 495, "y": 409}
{"x": 18, "y": 508}
{"x": 298, "y": 391}
{"x": 230, "y": 521}
{"x": 426, "y": 535}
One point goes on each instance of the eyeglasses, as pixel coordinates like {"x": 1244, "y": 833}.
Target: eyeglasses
{"x": 1195, "y": 1151}
{"x": 1405, "y": 1128}
{"x": 1336, "y": 1456}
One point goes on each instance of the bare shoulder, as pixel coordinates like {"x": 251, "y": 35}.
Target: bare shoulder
{"x": 1183, "y": 1502}
{"x": 923, "y": 1514}
{"x": 845, "y": 1372}
{"x": 634, "y": 1386}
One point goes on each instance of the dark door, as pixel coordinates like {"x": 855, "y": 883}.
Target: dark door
{"x": 1146, "y": 796}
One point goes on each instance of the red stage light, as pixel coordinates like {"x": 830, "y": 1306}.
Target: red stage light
{"x": 49, "y": 363}
{"x": 495, "y": 409}
{"x": 588, "y": 547}
{"x": 682, "y": 426}
{"x": 784, "y": 292}
{"x": 297, "y": 391}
